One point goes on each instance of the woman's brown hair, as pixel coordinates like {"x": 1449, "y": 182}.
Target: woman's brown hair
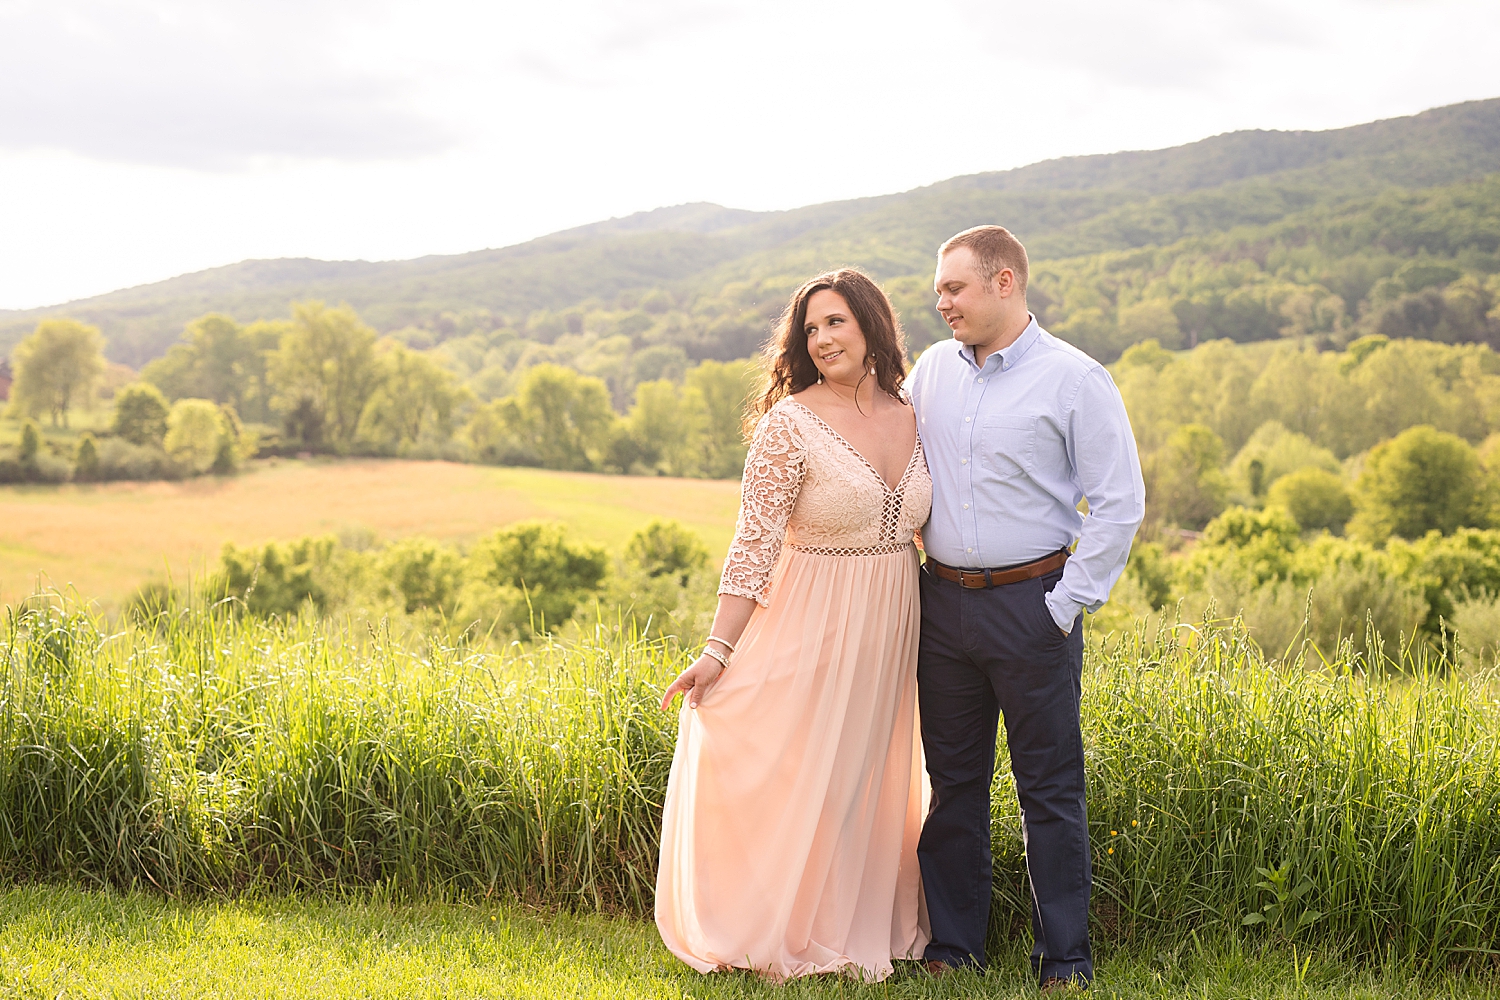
{"x": 789, "y": 367}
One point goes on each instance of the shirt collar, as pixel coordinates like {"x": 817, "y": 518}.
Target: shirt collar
{"x": 1007, "y": 358}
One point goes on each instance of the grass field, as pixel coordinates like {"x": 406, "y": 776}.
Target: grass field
{"x": 211, "y": 755}
{"x": 106, "y": 539}
{"x": 58, "y": 942}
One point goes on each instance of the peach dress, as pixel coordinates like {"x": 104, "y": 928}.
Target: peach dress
{"x": 797, "y": 792}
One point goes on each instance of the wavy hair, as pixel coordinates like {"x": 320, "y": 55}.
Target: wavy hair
{"x": 788, "y": 366}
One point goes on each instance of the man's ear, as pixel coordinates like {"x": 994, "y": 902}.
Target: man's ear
{"x": 1005, "y": 282}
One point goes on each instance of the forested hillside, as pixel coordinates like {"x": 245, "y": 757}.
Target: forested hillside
{"x": 1248, "y": 235}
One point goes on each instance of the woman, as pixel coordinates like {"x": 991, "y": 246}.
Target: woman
{"x": 796, "y": 797}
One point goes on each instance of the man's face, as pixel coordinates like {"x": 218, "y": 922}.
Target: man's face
{"x": 974, "y": 309}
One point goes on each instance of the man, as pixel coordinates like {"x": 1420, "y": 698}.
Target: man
{"x": 1018, "y": 427}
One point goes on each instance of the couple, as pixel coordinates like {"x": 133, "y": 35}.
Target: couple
{"x": 797, "y": 835}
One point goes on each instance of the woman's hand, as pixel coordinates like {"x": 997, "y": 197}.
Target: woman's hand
{"x": 695, "y": 681}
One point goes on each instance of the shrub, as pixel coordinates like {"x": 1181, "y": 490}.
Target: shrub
{"x": 1421, "y": 480}
{"x": 663, "y": 583}
{"x": 141, "y": 414}
{"x": 1360, "y": 604}
{"x": 31, "y": 441}
{"x": 278, "y": 578}
{"x": 1316, "y": 498}
{"x": 196, "y": 434}
{"x": 119, "y": 459}
{"x": 531, "y": 576}
{"x": 86, "y": 459}
{"x": 422, "y": 574}
{"x": 666, "y": 548}
{"x": 32, "y": 464}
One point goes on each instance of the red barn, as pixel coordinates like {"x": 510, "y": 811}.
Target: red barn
{"x": 5, "y": 380}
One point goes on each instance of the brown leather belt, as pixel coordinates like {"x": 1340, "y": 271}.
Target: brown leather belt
{"x": 978, "y": 579}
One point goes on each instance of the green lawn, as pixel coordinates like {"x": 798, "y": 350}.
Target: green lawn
{"x": 63, "y": 942}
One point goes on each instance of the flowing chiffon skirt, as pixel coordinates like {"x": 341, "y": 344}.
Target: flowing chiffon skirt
{"x": 797, "y": 790}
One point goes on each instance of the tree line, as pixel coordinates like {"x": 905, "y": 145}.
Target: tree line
{"x": 1418, "y": 264}
{"x": 323, "y": 382}
{"x": 1324, "y": 495}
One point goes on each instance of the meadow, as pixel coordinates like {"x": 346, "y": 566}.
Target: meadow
{"x": 1329, "y": 804}
{"x": 105, "y": 539}
{"x": 62, "y": 942}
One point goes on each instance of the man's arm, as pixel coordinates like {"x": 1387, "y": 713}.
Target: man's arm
{"x": 1101, "y": 448}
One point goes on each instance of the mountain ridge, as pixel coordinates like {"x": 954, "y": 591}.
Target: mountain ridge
{"x": 1061, "y": 207}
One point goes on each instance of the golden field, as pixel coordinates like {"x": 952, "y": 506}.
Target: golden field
{"x": 105, "y": 539}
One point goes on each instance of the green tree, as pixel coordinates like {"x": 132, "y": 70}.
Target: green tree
{"x": 323, "y": 374}
{"x": 415, "y": 401}
{"x": 56, "y": 367}
{"x": 196, "y": 434}
{"x": 1152, "y": 319}
{"x": 1187, "y": 486}
{"x": 557, "y": 419}
{"x": 717, "y": 390}
{"x": 1272, "y": 452}
{"x": 1316, "y": 498}
{"x": 1421, "y": 480}
{"x": 86, "y": 459}
{"x": 31, "y": 443}
{"x": 659, "y": 428}
{"x": 141, "y": 414}
{"x": 220, "y": 360}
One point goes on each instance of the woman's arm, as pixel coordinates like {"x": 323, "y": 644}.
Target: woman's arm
{"x": 730, "y": 619}
{"x": 768, "y": 491}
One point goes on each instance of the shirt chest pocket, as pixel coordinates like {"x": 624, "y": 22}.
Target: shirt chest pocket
{"x": 1007, "y": 445}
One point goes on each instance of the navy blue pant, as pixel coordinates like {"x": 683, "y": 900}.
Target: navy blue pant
{"x": 984, "y": 654}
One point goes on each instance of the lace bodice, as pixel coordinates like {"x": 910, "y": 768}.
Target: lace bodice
{"x": 807, "y": 487}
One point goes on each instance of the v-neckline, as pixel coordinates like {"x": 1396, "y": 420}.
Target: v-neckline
{"x": 910, "y": 462}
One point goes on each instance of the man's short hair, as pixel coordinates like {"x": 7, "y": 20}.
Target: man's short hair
{"x": 994, "y": 249}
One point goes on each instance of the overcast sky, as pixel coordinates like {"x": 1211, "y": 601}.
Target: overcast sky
{"x": 140, "y": 139}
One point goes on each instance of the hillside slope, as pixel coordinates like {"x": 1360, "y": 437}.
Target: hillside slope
{"x": 1062, "y": 208}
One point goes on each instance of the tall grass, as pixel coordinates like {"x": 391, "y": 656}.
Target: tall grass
{"x": 207, "y": 754}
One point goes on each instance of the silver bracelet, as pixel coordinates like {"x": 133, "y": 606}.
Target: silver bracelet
{"x": 723, "y": 642}
{"x": 715, "y": 654}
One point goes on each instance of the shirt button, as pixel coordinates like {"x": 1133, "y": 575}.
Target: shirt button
{"x": 968, "y": 550}
{"x": 965, "y": 461}
{"x": 967, "y": 419}
{"x": 981, "y": 380}
{"x": 966, "y": 506}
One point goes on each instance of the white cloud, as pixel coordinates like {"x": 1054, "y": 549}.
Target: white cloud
{"x": 143, "y": 138}
{"x": 203, "y": 85}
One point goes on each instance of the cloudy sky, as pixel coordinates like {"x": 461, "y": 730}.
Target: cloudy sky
{"x": 140, "y": 139}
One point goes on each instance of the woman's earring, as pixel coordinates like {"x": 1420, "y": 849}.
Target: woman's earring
{"x": 820, "y": 378}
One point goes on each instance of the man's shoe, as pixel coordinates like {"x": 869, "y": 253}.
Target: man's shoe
{"x": 936, "y": 969}
{"x": 1057, "y": 986}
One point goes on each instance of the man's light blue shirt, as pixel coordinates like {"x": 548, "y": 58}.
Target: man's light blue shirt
{"x": 1013, "y": 446}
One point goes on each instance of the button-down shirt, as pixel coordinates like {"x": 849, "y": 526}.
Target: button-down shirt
{"x": 1013, "y": 446}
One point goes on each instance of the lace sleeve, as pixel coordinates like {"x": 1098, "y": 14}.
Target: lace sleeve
{"x": 773, "y": 476}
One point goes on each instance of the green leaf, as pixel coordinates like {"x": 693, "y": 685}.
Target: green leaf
{"x": 1308, "y": 916}
{"x": 1252, "y": 918}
